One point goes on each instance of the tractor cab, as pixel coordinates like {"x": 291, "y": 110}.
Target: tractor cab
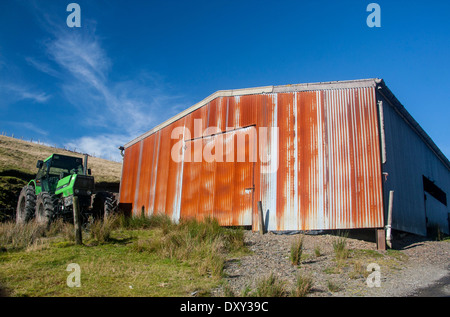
{"x": 55, "y": 168}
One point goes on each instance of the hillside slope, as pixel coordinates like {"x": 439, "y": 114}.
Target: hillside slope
{"x": 18, "y": 165}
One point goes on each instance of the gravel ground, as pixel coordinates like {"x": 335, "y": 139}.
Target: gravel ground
{"x": 416, "y": 266}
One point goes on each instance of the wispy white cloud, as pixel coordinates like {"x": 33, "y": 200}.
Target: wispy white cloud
{"x": 27, "y": 125}
{"x": 42, "y": 66}
{"x": 105, "y": 145}
{"x": 120, "y": 109}
{"x": 21, "y": 92}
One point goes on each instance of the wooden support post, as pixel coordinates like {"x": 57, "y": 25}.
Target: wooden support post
{"x": 381, "y": 239}
{"x": 77, "y": 221}
{"x": 260, "y": 218}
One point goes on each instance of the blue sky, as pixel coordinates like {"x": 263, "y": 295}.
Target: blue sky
{"x": 132, "y": 64}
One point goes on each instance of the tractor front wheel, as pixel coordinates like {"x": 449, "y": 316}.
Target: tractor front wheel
{"x": 45, "y": 208}
{"x": 26, "y": 205}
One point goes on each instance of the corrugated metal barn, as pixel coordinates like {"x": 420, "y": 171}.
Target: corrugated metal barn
{"x": 318, "y": 156}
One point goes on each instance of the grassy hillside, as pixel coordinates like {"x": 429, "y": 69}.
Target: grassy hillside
{"x": 18, "y": 165}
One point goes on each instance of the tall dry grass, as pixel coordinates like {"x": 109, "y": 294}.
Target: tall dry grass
{"x": 296, "y": 251}
{"x": 21, "y": 236}
{"x": 203, "y": 242}
{"x": 341, "y": 251}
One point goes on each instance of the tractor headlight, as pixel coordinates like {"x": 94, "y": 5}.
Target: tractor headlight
{"x": 68, "y": 201}
{"x": 89, "y": 192}
{"x": 76, "y": 191}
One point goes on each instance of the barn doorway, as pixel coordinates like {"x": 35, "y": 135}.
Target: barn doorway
{"x": 218, "y": 172}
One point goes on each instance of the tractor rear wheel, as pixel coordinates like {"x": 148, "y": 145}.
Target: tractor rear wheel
{"x": 105, "y": 204}
{"x": 26, "y": 204}
{"x": 45, "y": 208}
{"x": 110, "y": 205}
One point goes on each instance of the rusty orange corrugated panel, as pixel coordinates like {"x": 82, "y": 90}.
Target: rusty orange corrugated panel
{"x": 144, "y": 186}
{"x": 317, "y": 162}
{"x": 163, "y": 163}
{"x": 339, "y": 160}
{"x": 129, "y": 174}
{"x": 173, "y": 183}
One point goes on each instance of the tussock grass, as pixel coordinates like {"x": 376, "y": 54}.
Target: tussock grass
{"x": 191, "y": 241}
{"x": 341, "y": 251}
{"x": 143, "y": 222}
{"x": 296, "y": 251}
{"x": 302, "y": 286}
{"x": 274, "y": 286}
{"x": 15, "y": 237}
{"x": 271, "y": 286}
{"x": 317, "y": 251}
{"x": 100, "y": 230}
{"x": 333, "y": 286}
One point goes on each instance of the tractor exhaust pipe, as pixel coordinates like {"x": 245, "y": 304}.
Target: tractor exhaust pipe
{"x": 121, "y": 148}
{"x": 85, "y": 171}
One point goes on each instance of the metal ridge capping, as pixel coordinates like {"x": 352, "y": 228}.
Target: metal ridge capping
{"x": 359, "y": 83}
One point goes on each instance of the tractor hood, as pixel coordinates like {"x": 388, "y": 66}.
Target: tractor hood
{"x": 75, "y": 185}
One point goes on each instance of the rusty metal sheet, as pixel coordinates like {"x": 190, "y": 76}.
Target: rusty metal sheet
{"x": 218, "y": 188}
{"x": 217, "y": 116}
{"x": 144, "y": 186}
{"x": 162, "y": 172}
{"x": 194, "y": 129}
{"x": 175, "y": 173}
{"x": 267, "y": 165}
{"x": 311, "y": 163}
{"x": 129, "y": 174}
{"x": 319, "y": 167}
{"x": 192, "y": 179}
{"x": 286, "y": 186}
{"x": 243, "y": 180}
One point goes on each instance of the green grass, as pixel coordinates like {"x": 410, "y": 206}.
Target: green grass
{"x": 106, "y": 270}
{"x": 120, "y": 257}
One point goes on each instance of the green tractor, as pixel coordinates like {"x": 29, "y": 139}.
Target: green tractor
{"x": 50, "y": 194}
